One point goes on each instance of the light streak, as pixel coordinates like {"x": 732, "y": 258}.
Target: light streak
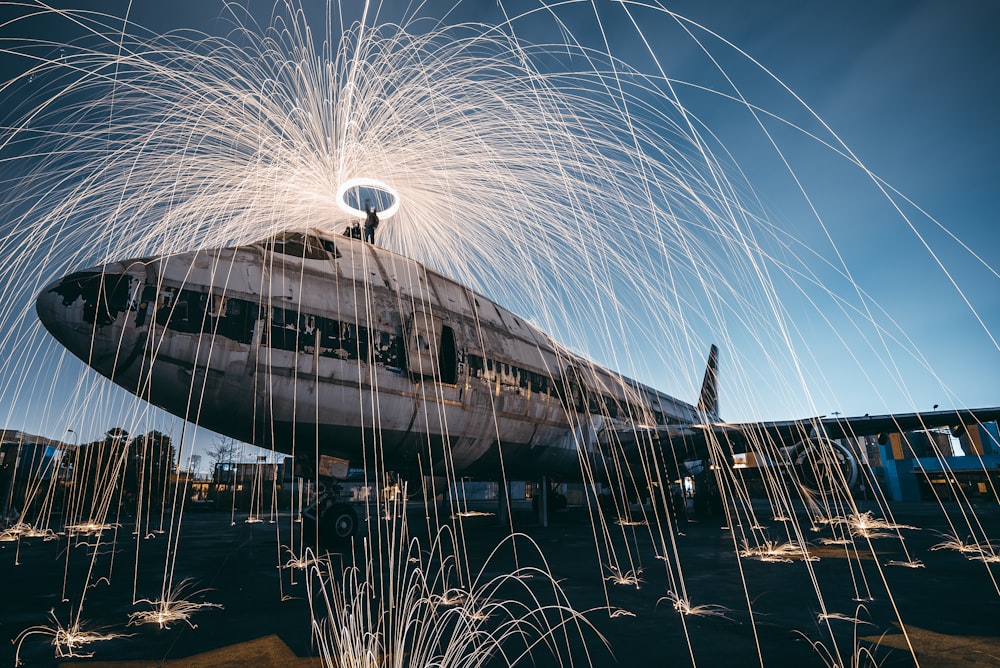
{"x": 683, "y": 606}
{"x": 68, "y": 640}
{"x": 90, "y": 528}
{"x": 359, "y": 615}
{"x": 24, "y": 530}
{"x": 304, "y": 562}
{"x": 384, "y": 214}
{"x": 503, "y": 174}
{"x": 957, "y": 544}
{"x": 449, "y": 598}
{"x": 776, "y": 552}
{"x": 626, "y": 578}
{"x": 866, "y": 525}
{"x": 839, "y": 616}
{"x": 625, "y": 522}
{"x": 973, "y": 550}
{"x": 860, "y": 656}
{"x": 170, "y": 609}
{"x": 986, "y": 558}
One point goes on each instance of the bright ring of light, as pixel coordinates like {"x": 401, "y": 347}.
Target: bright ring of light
{"x": 374, "y": 184}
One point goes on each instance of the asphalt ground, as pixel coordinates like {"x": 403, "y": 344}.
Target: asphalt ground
{"x": 950, "y": 606}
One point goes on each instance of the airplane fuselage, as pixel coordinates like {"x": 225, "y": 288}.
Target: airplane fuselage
{"x": 326, "y": 345}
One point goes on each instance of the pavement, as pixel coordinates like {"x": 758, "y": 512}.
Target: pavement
{"x": 949, "y": 607}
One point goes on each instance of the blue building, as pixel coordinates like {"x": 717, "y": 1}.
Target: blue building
{"x": 939, "y": 465}
{"x": 26, "y": 460}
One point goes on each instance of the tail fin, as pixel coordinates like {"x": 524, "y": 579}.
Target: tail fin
{"x": 708, "y": 401}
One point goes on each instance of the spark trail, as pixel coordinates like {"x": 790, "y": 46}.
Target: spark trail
{"x": 519, "y": 167}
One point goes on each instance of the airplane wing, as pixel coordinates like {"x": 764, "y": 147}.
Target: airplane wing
{"x": 692, "y": 441}
{"x": 673, "y": 444}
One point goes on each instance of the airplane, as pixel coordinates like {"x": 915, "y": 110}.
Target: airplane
{"x": 338, "y": 352}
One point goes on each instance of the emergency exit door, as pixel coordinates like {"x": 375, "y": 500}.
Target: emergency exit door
{"x": 430, "y": 349}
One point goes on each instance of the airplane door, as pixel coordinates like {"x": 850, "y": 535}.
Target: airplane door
{"x": 431, "y": 349}
{"x": 422, "y": 341}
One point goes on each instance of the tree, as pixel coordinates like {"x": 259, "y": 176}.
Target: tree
{"x": 97, "y": 474}
{"x": 224, "y": 450}
{"x": 150, "y": 464}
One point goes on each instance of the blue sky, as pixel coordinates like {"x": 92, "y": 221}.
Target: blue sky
{"x": 910, "y": 88}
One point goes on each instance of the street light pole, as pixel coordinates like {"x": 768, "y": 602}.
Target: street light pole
{"x": 64, "y": 479}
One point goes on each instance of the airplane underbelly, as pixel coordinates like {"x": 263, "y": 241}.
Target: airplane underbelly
{"x": 215, "y": 395}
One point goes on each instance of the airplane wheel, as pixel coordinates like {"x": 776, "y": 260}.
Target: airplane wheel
{"x": 339, "y": 523}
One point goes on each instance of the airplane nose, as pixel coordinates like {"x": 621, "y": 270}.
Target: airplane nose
{"x": 88, "y": 312}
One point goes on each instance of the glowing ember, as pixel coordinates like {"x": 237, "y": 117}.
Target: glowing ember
{"x": 974, "y": 551}
{"x": 839, "y": 616}
{"x": 772, "y": 551}
{"x": 308, "y": 560}
{"x": 957, "y": 544}
{"x": 170, "y": 609}
{"x": 89, "y": 528}
{"x": 986, "y": 558}
{"x": 629, "y": 577}
{"x": 24, "y": 530}
{"x": 621, "y": 521}
{"x": 866, "y": 525}
{"x": 451, "y": 597}
{"x": 68, "y": 641}
{"x": 683, "y": 606}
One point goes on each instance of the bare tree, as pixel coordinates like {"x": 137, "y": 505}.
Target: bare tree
{"x": 224, "y": 450}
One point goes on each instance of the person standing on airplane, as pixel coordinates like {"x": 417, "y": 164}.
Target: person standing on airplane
{"x": 371, "y": 222}
{"x": 353, "y": 231}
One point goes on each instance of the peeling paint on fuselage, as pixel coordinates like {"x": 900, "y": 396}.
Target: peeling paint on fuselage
{"x": 319, "y": 345}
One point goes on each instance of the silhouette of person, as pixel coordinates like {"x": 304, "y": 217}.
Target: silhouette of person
{"x": 371, "y": 222}
{"x": 353, "y": 231}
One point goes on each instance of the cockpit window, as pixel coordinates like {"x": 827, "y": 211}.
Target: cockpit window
{"x": 330, "y": 247}
{"x": 305, "y": 246}
{"x": 104, "y": 295}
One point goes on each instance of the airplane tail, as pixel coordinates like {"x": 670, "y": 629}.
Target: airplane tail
{"x": 708, "y": 400}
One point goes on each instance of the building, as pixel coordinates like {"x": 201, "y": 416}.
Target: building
{"x": 940, "y": 465}
{"x": 26, "y": 462}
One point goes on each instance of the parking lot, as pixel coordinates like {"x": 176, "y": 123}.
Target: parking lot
{"x": 950, "y": 605}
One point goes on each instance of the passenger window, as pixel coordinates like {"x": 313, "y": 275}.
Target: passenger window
{"x": 330, "y": 247}
{"x": 296, "y": 244}
{"x": 218, "y": 307}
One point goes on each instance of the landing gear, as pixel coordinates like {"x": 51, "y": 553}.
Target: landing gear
{"x": 822, "y": 465}
{"x": 330, "y": 519}
{"x": 339, "y": 522}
